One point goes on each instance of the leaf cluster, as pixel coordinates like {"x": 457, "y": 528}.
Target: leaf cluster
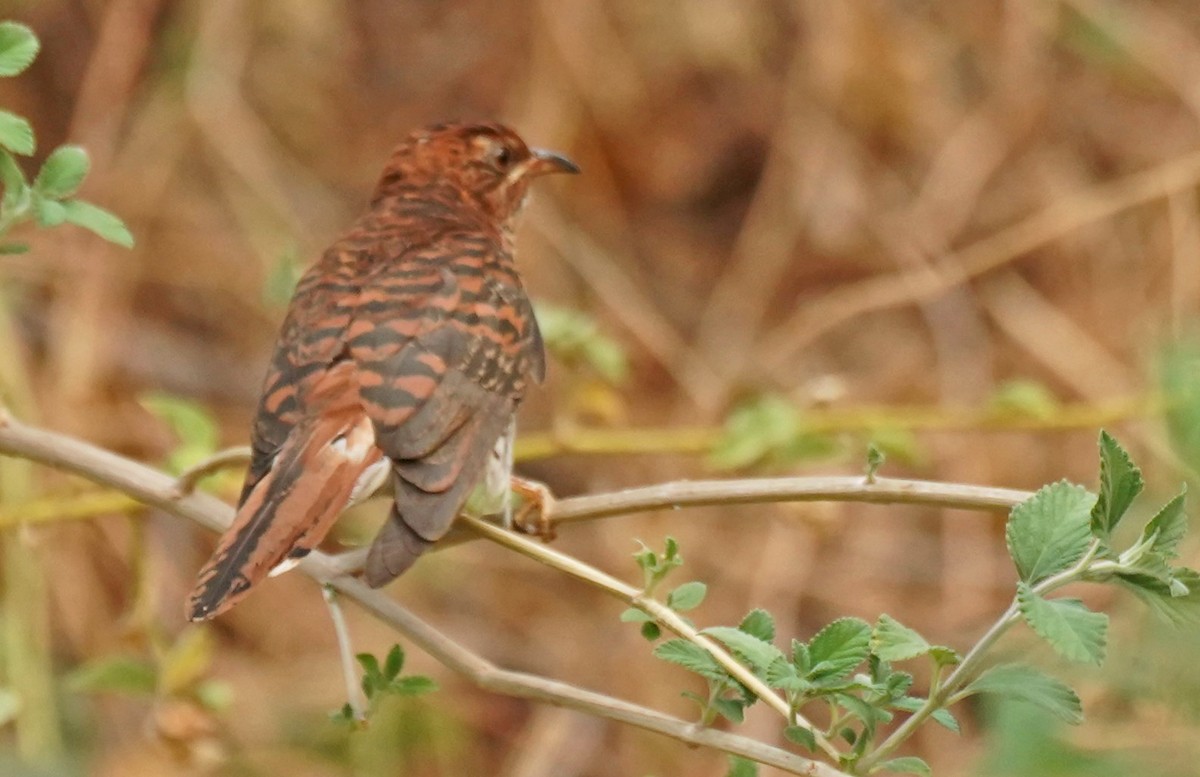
{"x": 382, "y": 679}
{"x": 50, "y": 199}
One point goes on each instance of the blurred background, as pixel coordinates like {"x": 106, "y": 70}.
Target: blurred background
{"x": 966, "y": 232}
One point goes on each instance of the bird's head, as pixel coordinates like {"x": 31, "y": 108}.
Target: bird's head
{"x": 484, "y": 164}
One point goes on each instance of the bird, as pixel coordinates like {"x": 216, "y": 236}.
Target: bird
{"x": 404, "y": 354}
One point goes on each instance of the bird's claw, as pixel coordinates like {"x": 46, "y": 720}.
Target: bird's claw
{"x": 535, "y": 516}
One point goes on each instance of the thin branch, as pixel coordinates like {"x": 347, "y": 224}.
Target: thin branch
{"x": 346, "y": 653}
{"x": 225, "y": 459}
{"x": 663, "y": 614}
{"x": 698, "y": 493}
{"x": 159, "y": 489}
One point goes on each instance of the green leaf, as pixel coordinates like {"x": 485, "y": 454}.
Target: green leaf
{"x": 941, "y": 715}
{"x": 18, "y": 48}
{"x": 755, "y": 429}
{"x": 62, "y": 173}
{"x": 893, "y": 641}
{"x": 651, "y": 631}
{"x": 1166, "y": 530}
{"x": 758, "y": 653}
{"x": 782, "y": 675}
{"x": 281, "y": 281}
{"x": 413, "y": 685}
{"x": 838, "y": 648}
{"x": 801, "y": 736}
{"x": 944, "y": 656}
{"x": 875, "y": 459}
{"x": 191, "y": 423}
{"x": 99, "y": 221}
{"x": 393, "y": 663}
{"x": 16, "y": 134}
{"x": 1075, "y": 632}
{"x": 49, "y": 213}
{"x": 687, "y": 596}
{"x": 1182, "y": 608}
{"x": 1022, "y": 682}
{"x": 733, "y": 710}
{"x": 116, "y": 674}
{"x": 12, "y": 179}
{"x": 741, "y": 767}
{"x": 759, "y": 623}
{"x": 1050, "y": 531}
{"x": 908, "y": 764}
{"x": 634, "y": 615}
{"x": 576, "y": 340}
{"x": 1120, "y": 482}
{"x": 691, "y": 657}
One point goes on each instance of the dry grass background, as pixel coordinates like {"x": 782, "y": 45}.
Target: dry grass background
{"x": 786, "y": 196}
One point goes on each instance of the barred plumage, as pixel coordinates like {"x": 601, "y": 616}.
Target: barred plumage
{"x": 409, "y": 343}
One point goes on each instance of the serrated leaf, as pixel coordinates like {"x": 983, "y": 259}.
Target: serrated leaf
{"x": 116, "y": 674}
{"x": 1166, "y": 530}
{"x": 691, "y": 657}
{"x": 634, "y": 615}
{"x": 908, "y": 764}
{"x": 1050, "y": 531}
{"x": 944, "y": 656}
{"x": 758, "y": 653}
{"x": 733, "y": 710}
{"x": 870, "y": 715}
{"x": 801, "y": 736}
{"x": 891, "y": 640}
{"x": 1120, "y": 482}
{"x": 1075, "y": 632}
{"x": 687, "y": 596}
{"x": 62, "y": 173}
{"x": 99, "y": 221}
{"x": 942, "y": 716}
{"x": 16, "y": 134}
{"x": 801, "y": 657}
{"x": 393, "y": 663}
{"x": 1181, "y": 610}
{"x": 1022, "y": 682}
{"x": 838, "y": 648}
{"x": 759, "y": 623}
{"x": 782, "y": 675}
{"x": 18, "y": 48}
{"x": 12, "y": 179}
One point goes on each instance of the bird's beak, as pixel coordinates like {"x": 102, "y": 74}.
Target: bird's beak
{"x": 544, "y": 162}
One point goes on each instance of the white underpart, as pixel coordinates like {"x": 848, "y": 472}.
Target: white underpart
{"x": 370, "y": 481}
{"x": 286, "y": 565}
{"x": 497, "y": 475}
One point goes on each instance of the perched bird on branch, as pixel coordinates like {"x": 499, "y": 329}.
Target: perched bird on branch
{"x": 405, "y": 352}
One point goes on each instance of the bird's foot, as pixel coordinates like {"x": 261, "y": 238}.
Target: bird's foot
{"x": 535, "y": 514}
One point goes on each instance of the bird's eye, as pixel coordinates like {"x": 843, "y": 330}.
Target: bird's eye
{"x": 503, "y": 156}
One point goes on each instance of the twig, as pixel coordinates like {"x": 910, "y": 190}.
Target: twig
{"x": 663, "y": 614}
{"x": 156, "y": 488}
{"x": 346, "y": 652}
{"x": 230, "y": 457}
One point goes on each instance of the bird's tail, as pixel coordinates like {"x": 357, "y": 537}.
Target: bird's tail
{"x": 316, "y": 473}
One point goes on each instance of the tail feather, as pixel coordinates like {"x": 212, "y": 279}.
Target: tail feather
{"x": 289, "y": 511}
